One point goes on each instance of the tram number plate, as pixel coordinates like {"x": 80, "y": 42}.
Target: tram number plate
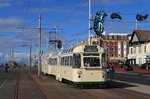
{"x": 90, "y": 49}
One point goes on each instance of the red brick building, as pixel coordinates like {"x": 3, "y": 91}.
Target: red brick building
{"x": 116, "y": 46}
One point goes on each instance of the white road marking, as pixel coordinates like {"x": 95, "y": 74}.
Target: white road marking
{"x": 3, "y": 83}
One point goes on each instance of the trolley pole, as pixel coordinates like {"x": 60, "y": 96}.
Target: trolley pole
{"x": 39, "y": 47}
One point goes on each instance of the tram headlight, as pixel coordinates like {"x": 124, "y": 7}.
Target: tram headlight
{"x": 79, "y": 72}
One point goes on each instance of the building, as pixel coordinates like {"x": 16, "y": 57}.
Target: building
{"x": 139, "y": 47}
{"x": 116, "y": 46}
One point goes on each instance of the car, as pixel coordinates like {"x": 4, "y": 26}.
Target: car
{"x": 145, "y": 65}
{"x": 128, "y": 67}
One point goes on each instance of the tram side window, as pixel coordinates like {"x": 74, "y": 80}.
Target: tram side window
{"x": 71, "y": 61}
{"x": 49, "y": 61}
{"x": 55, "y": 61}
{"x": 67, "y": 61}
{"x": 76, "y": 61}
{"x": 62, "y": 61}
{"x": 104, "y": 60}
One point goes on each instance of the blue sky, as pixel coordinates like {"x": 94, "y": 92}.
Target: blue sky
{"x": 69, "y": 15}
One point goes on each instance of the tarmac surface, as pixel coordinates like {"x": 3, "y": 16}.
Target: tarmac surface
{"x": 25, "y": 84}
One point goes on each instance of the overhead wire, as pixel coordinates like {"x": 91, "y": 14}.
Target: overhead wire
{"x": 26, "y": 14}
{"x": 72, "y": 13}
{"x": 27, "y": 11}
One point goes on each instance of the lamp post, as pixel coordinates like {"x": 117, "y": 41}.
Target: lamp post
{"x": 39, "y": 47}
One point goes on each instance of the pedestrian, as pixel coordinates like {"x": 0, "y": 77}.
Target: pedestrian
{"x": 111, "y": 73}
{"x": 2, "y": 65}
{"x": 6, "y": 68}
{"x": 107, "y": 70}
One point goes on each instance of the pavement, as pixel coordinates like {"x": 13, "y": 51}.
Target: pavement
{"x": 135, "y": 86}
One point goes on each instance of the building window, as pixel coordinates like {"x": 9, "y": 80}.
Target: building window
{"x": 107, "y": 43}
{"x": 145, "y": 49}
{"x": 134, "y": 48}
{"x": 107, "y": 55}
{"x": 112, "y": 36}
{"x": 131, "y": 51}
{"x": 139, "y": 49}
{"x": 115, "y": 37}
{"x": 113, "y": 49}
{"x": 113, "y": 43}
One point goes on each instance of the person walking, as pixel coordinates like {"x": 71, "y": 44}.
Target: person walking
{"x": 6, "y": 67}
{"x": 111, "y": 73}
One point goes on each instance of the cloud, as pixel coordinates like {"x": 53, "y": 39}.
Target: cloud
{"x": 52, "y": 10}
{"x": 9, "y": 3}
{"x": 10, "y": 21}
{"x": 5, "y": 4}
{"x": 116, "y": 2}
{"x": 7, "y": 42}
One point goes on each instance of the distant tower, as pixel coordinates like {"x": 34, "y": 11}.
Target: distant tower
{"x": 11, "y": 55}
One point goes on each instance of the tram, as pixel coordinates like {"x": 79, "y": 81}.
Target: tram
{"x": 80, "y": 65}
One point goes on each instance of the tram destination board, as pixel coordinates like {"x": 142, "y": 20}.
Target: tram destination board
{"x": 90, "y": 48}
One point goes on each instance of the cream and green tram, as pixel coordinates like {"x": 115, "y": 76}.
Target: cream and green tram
{"x": 80, "y": 65}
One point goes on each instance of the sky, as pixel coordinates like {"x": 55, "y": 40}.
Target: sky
{"x": 19, "y": 22}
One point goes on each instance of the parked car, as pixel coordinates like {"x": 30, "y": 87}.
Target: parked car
{"x": 143, "y": 66}
{"x": 128, "y": 67}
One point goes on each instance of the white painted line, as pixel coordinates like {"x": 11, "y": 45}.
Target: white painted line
{"x": 3, "y": 83}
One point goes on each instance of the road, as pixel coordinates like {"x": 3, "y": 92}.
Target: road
{"x": 133, "y": 78}
{"x": 31, "y": 86}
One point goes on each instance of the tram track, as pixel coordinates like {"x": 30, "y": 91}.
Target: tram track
{"x": 20, "y": 85}
{"x": 26, "y": 85}
{"x": 34, "y": 82}
{"x": 17, "y": 86}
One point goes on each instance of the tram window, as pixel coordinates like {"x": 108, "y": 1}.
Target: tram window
{"x": 55, "y": 61}
{"x": 71, "y": 61}
{"x": 63, "y": 61}
{"x": 48, "y": 61}
{"x": 67, "y": 61}
{"x": 70, "y": 58}
{"x": 91, "y": 61}
{"x": 76, "y": 61}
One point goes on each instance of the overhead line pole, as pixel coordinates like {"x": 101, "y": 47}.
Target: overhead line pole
{"x": 89, "y": 22}
{"x": 30, "y": 53}
{"x": 39, "y": 47}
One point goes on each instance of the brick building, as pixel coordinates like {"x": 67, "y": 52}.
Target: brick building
{"x": 116, "y": 46}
